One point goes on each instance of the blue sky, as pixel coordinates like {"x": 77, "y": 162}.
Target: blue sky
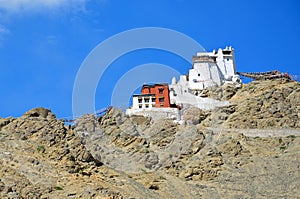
{"x": 44, "y": 42}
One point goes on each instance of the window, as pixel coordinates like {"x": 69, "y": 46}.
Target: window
{"x": 153, "y": 99}
{"x": 147, "y": 105}
{"x": 161, "y": 99}
{"x": 161, "y": 105}
{"x": 198, "y": 74}
{"x": 160, "y": 90}
{"x": 227, "y": 59}
{"x": 140, "y": 100}
{"x": 140, "y": 106}
{"x": 147, "y": 100}
{"x": 153, "y": 105}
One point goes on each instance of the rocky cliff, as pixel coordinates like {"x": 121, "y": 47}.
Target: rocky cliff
{"x": 249, "y": 149}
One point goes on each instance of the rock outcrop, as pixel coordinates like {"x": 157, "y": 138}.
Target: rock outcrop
{"x": 194, "y": 115}
{"x": 267, "y": 104}
{"x": 260, "y": 104}
{"x": 224, "y": 153}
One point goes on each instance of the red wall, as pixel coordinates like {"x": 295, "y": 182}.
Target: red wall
{"x": 155, "y": 89}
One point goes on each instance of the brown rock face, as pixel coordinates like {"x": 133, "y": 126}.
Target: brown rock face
{"x": 249, "y": 149}
{"x": 261, "y": 104}
{"x": 35, "y": 147}
{"x": 39, "y": 112}
{"x": 194, "y": 115}
{"x": 267, "y": 104}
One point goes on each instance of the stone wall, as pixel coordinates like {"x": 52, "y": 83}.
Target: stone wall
{"x": 156, "y": 113}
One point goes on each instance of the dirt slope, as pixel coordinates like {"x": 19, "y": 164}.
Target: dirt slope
{"x": 134, "y": 157}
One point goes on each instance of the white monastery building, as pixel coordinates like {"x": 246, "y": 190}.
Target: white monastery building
{"x": 209, "y": 69}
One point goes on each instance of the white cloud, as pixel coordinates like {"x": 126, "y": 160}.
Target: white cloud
{"x": 3, "y": 32}
{"x": 16, "y": 6}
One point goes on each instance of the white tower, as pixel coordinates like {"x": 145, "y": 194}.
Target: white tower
{"x": 212, "y": 68}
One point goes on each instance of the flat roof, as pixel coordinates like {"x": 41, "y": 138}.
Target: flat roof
{"x": 155, "y": 84}
{"x": 142, "y": 95}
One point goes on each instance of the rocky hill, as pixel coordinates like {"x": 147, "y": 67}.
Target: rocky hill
{"x": 260, "y": 104}
{"x": 249, "y": 149}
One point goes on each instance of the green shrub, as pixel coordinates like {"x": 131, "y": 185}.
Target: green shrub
{"x": 41, "y": 149}
{"x": 282, "y": 147}
{"x": 58, "y": 188}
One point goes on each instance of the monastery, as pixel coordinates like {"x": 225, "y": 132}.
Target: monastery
{"x": 209, "y": 69}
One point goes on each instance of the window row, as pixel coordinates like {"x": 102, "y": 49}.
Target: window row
{"x": 148, "y": 105}
{"x": 147, "y": 100}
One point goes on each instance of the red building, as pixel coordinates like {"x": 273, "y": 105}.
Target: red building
{"x": 161, "y": 92}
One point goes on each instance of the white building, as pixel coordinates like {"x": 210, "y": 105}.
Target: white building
{"x": 143, "y": 101}
{"x": 209, "y": 69}
{"x": 181, "y": 95}
{"x": 212, "y": 69}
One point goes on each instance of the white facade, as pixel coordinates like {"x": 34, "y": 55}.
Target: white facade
{"x": 209, "y": 69}
{"x": 180, "y": 94}
{"x": 143, "y": 101}
{"x": 212, "y": 69}
{"x": 144, "y": 104}
{"x": 178, "y": 89}
{"x": 204, "y": 75}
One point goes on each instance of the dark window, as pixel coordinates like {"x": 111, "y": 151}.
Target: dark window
{"x": 147, "y": 105}
{"x": 160, "y": 90}
{"x": 161, "y": 99}
{"x": 226, "y": 52}
{"x": 161, "y": 105}
{"x": 153, "y": 99}
{"x": 140, "y": 106}
{"x": 198, "y": 75}
{"x": 147, "y": 100}
{"x": 140, "y": 100}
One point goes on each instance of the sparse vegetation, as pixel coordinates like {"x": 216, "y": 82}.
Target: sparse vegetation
{"x": 41, "y": 149}
{"x": 58, "y": 188}
{"x": 155, "y": 158}
{"x": 292, "y": 136}
{"x": 282, "y": 147}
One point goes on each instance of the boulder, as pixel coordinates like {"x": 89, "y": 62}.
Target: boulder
{"x": 194, "y": 115}
{"x": 39, "y": 112}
